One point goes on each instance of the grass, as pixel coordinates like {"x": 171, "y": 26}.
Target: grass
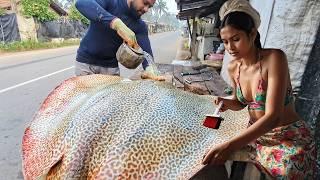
{"x": 33, "y": 45}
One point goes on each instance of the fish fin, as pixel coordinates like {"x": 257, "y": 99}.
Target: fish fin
{"x": 37, "y": 157}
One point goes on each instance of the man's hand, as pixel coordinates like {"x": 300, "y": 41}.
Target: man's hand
{"x": 151, "y": 70}
{"x": 125, "y": 33}
{"x": 151, "y": 73}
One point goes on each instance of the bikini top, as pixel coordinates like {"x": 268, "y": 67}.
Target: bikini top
{"x": 260, "y": 97}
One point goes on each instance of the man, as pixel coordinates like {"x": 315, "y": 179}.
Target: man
{"x": 111, "y": 23}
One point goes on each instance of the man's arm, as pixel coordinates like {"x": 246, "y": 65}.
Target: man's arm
{"x": 95, "y": 10}
{"x": 144, "y": 43}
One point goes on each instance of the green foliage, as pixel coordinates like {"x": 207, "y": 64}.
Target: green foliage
{"x": 32, "y": 45}
{"x": 74, "y": 14}
{"x": 2, "y": 12}
{"x": 186, "y": 46}
{"x": 39, "y": 9}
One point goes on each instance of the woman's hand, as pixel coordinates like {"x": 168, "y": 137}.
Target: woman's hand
{"x": 217, "y": 155}
{"x": 226, "y": 104}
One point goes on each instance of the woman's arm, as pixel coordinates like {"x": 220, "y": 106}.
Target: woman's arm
{"x": 276, "y": 91}
{"x": 233, "y": 103}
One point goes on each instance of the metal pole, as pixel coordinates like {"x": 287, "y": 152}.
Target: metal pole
{"x": 189, "y": 28}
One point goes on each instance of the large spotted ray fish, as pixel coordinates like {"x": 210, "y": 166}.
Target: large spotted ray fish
{"x": 102, "y": 127}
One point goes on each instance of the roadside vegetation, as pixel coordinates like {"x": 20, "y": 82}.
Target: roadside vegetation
{"x": 2, "y": 12}
{"x": 33, "y": 45}
{"x": 41, "y": 11}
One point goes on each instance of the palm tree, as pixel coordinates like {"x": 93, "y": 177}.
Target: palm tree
{"x": 161, "y": 8}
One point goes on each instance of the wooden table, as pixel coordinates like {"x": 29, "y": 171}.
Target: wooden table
{"x": 213, "y": 84}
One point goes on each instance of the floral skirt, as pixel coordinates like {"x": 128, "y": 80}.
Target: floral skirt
{"x": 287, "y": 152}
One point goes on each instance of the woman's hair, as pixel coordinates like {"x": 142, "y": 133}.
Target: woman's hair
{"x": 241, "y": 21}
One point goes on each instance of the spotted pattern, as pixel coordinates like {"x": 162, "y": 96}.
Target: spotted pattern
{"x": 100, "y": 127}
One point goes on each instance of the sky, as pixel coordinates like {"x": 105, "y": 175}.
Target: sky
{"x": 172, "y": 6}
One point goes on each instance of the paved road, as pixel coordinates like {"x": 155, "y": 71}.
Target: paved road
{"x": 27, "y": 78}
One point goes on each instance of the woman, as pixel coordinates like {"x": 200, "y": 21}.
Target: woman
{"x": 284, "y": 145}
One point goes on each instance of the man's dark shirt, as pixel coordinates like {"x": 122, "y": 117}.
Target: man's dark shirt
{"x": 100, "y": 44}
